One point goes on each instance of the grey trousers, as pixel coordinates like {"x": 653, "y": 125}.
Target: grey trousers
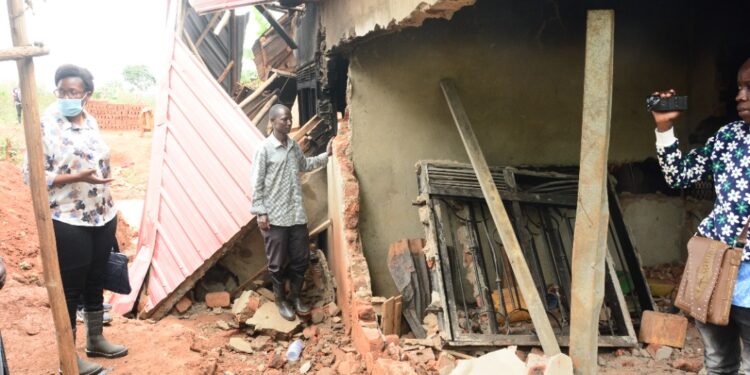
{"x": 726, "y": 345}
{"x": 287, "y": 250}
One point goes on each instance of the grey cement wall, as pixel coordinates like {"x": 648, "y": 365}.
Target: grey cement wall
{"x": 522, "y": 90}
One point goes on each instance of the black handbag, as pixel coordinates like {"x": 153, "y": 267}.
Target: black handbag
{"x": 116, "y": 275}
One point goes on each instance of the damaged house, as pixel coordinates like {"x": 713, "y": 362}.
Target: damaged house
{"x": 405, "y": 227}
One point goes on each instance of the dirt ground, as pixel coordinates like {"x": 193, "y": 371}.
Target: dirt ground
{"x": 196, "y": 343}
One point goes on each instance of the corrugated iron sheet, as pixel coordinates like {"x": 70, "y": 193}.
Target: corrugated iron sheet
{"x": 218, "y": 51}
{"x": 205, "y": 6}
{"x": 270, "y": 51}
{"x": 199, "y": 187}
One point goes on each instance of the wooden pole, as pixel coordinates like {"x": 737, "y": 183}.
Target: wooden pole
{"x": 207, "y": 29}
{"x": 276, "y": 26}
{"x": 592, "y": 214}
{"x": 502, "y": 221}
{"x": 259, "y": 91}
{"x": 226, "y": 71}
{"x": 39, "y": 195}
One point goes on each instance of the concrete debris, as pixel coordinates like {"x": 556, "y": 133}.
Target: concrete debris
{"x": 317, "y": 316}
{"x": 310, "y": 331}
{"x": 275, "y": 360}
{"x": 507, "y": 360}
{"x": 387, "y": 366}
{"x": 267, "y": 294}
{"x": 267, "y": 318}
{"x": 421, "y": 356}
{"x": 333, "y": 309}
{"x": 218, "y": 299}
{"x": 445, "y": 363}
{"x": 241, "y": 345}
{"x": 260, "y": 343}
{"x": 223, "y": 325}
{"x": 246, "y": 305}
{"x": 184, "y": 305}
{"x": 305, "y": 367}
{"x": 659, "y": 352}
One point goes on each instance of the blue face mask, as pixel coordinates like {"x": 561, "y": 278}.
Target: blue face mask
{"x": 70, "y": 107}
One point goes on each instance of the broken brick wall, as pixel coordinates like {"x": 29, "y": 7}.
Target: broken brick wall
{"x": 345, "y": 20}
{"x": 519, "y": 72}
{"x": 348, "y": 264}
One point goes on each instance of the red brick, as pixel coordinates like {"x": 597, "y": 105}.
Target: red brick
{"x": 310, "y": 331}
{"x": 218, "y": 299}
{"x": 663, "y": 329}
{"x": 183, "y": 305}
{"x": 365, "y": 312}
{"x": 688, "y": 364}
{"x": 385, "y": 366}
{"x": 366, "y": 339}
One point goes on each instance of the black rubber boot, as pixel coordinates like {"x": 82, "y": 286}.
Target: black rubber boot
{"x": 84, "y": 367}
{"x": 296, "y": 282}
{"x": 96, "y": 344}
{"x": 285, "y": 309}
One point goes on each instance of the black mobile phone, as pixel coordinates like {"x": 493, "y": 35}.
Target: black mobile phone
{"x": 655, "y": 103}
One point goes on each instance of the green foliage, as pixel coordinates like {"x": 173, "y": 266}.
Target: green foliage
{"x": 262, "y": 23}
{"x": 139, "y": 76}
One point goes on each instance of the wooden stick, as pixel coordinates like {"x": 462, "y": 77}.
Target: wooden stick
{"x": 311, "y": 124}
{"x": 397, "y": 307}
{"x": 40, "y": 198}
{"x": 207, "y": 29}
{"x": 387, "y": 322}
{"x": 249, "y": 281}
{"x": 222, "y": 23}
{"x": 226, "y": 71}
{"x": 502, "y": 221}
{"x": 22, "y": 52}
{"x": 263, "y": 86}
{"x": 266, "y": 108}
{"x": 458, "y": 354}
{"x": 592, "y": 214}
{"x": 320, "y": 228}
{"x": 276, "y": 26}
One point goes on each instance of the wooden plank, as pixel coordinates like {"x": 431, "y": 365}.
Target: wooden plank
{"x": 310, "y": 125}
{"x": 211, "y": 23}
{"x": 22, "y": 52}
{"x": 263, "y": 86}
{"x": 386, "y": 324}
{"x": 502, "y": 221}
{"x": 226, "y": 71}
{"x": 397, "y": 316}
{"x": 592, "y": 214}
{"x": 40, "y": 199}
{"x": 266, "y": 108}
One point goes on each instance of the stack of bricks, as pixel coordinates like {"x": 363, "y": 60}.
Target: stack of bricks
{"x": 111, "y": 116}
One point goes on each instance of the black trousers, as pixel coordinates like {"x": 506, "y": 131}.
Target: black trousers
{"x": 287, "y": 250}
{"x": 83, "y": 253}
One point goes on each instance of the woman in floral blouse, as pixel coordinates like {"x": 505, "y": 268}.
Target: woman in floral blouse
{"x": 726, "y": 158}
{"x": 84, "y": 217}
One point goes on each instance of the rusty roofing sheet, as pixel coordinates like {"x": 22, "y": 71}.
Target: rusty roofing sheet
{"x": 199, "y": 187}
{"x": 205, "y": 6}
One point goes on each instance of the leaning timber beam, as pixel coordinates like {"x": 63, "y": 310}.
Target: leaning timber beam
{"x": 502, "y": 221}
{"x": 592, "y": 214}
{"x": 276, "y": 26}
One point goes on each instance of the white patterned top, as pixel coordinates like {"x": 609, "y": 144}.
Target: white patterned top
{"x": 69, "y": 149}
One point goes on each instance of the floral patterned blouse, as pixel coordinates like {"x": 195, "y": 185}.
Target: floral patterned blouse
{"x": 726, "y": 158}
{"x": 70, "y": 148}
